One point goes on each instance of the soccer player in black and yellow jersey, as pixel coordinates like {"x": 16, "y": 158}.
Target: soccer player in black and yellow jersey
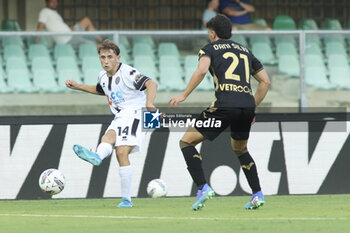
{"x": 231, "y": 66}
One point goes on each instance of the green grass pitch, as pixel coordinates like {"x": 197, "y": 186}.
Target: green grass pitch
{"x": 307, "y": 213}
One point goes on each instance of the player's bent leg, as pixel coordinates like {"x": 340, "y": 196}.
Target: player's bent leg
{"x": 125, "y": 173}
{"x": 194, "y": 165}
{"x": 87, "y": 155}
{"x": 250, "y": 171}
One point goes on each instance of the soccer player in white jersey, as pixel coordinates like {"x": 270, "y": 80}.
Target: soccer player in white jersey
{"x": 124, "y": 87}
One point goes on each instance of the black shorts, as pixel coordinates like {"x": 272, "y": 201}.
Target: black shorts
{"x": 239, "y": 120}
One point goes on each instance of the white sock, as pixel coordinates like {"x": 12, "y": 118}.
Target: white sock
{"x": 125, "y": 180}
{"x": 104, "y": 150}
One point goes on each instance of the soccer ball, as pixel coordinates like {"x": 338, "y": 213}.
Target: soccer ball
{"x": 51, "y": 181}
{"x": 157, "y": 188}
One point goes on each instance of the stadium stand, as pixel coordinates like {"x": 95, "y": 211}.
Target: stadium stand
{"x": 331, "y": 24}
{"x": 67, "y": 68}
{"x": 10, "y": 25}
{"x": 140, "y": 49}
{"x": 190, "y": 65}
{"x": 64, "y": 50}
{"x": 91, "y": 67}
{"x": 260, "y": 21}
{"x": 169, "y": 49}
{"x": 144, "y": 39}
{"x": 38, "y": 50}
{"x": 308, "y": 24}
{"x": 240, "y": 39}
{"x": 283, "y": 22}
{"x": 171, "y": 73}
{"x": 12, "y": 40}
{"x": 87, "y": 49}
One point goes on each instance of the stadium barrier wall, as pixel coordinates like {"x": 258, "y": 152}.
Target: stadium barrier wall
{"x": 294, "y": 153}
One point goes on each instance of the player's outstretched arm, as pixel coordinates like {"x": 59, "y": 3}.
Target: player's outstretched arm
{"x": 70, "y": 83}
{"x": 151, "y": 87}
{"x": 263, "y": 86}
{"x": 197, "y": 77}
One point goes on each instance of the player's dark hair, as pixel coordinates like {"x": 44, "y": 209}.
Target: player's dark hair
{"x": 107, "y": 45}
{"x": 221, "y": 25}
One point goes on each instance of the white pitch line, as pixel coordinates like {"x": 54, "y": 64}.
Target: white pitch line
{"x": 179, "y": 218}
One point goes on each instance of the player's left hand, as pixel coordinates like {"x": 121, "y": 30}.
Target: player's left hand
{"x": 151, "y": 107}
{"x": 176, "y": 100}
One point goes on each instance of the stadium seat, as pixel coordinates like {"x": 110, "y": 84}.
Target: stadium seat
{"x": 311, "y": 38}
{"x": 87, "y": 49}
{"x": 64, "y": 50}
{"x": 167, "y": 65}
{"x": 12, "y": 40}
{"x": 168, "y": 49}
{"x": 334, "y": 48}
{"x": 91, "y": 62}
{"x": 4, "y": 88}
{"x": 44, "y": 79}
{"x": 334, "y": 38}
{"x": 42, "y": 63}
{"x": 239, "y": 39}
{"x": 38, "y": 50}
{"x": 289, "y": 65}
{"x": 123, "y": 40}
{"x": 263, "y": 52}
{"x": 340, "y": 76}
{"x": 331, "y": 24}
{"x": 283, "y": 22}
{"x": 66, "y": 63}
{"x": 313, "y": 49}
{"x": 316, "y": 77}
{"x": 171, "y": 77}
{"x": 67, "y": 68}
{"x": 125, "y": 57}
{"x": 285, "y": 39}
{"x": 140, "y": 49}
{"x": 145, "y": 40}
{"x": 14, "y": 51}
{"x": 260, "y": 21}
{"x": 260, "y": 39}
{"x": 313, "y": 60}
{"x": 169, "y": 61}
{"x": 191, "y": 63}
{"x": 146, "y": 65}
{"x": 65, "y": 74}
{"x": 338, "y": 60}
{"x": 44, "y": 40}
{"x": 308, "y": 24}
{"x": 19, "y": 80}
{"x": 10, "y": 25}
{"x": 286, "y": 48}
{"x": 16, "y": 63}
{"x": 91, "y": 75}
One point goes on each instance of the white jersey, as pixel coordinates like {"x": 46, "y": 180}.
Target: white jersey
{"x": 124, "y": 90}
{"x": 54, "y": 23}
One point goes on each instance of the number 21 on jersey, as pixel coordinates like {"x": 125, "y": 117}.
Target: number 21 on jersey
{"x": 235, "y": 61}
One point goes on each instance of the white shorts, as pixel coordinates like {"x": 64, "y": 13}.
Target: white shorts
{"x": 128, "y": 132}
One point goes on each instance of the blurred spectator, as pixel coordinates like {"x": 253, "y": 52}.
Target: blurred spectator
{"x": 210, "y": 12}
{"x": 237, "y": 11}
{"x": 53, "y": 22}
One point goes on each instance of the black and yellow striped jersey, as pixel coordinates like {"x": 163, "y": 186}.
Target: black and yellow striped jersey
{"x": 231, "y": 65}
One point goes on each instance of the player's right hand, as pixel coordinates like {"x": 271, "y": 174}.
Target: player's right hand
{"x": 70, "y": 83}
{"x": 176, "y": 100}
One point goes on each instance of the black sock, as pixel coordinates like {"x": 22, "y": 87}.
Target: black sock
{"x": 194, "y": 165}
{"x": 250, "y": 171}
